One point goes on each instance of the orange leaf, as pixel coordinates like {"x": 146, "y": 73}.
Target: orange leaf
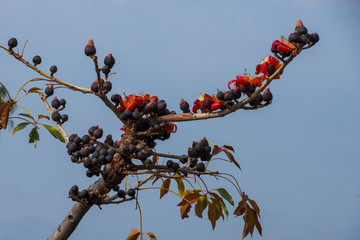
{"x": 157, "y": 178}
{"x": 165, "y": 187}
{"x": 251, "y": 220}
{"x": 190, "y": 197}
{"x": 216, "y": 150}
{"x": 151, "y": 235}
{"x": 229, "y": 147}
{"x": 134, "y": 234}
{"x": 155, "y": 160}
{"x": 211, "y": 215}
{"x": 231, "y": 157}
{"x": 184, "y": 210}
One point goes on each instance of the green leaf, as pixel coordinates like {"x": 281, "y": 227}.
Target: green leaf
{"x": 34, "y": 135}
{"x": 181, "y": 186}
{"x": 225, "y": 195}
{"x": 203, "y": 201}
{"x": 34, "y": 90}
{"x": 225, "y": 209}
{"x": 43, "y": 116}
{"x": 27, "y": 115}
{"x": 20, "y": 126}
{"x": 54, "y": 132}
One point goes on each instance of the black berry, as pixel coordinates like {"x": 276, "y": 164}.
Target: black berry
{"x": 64, "y": 118}
{"x": 121, "y": 193}
{"x": 109, "y": 60}
{"x": 131, "y": 192}
{"x": 55, "y": 103}
{"x": 98, "y": 133}
{"x": 12, "y": 43}
{"x": 169, "y": 163}
{"x": 36, "y": 60}
{"x": 314, "y": 38}
{"x": 55, "y": 116}
{"x": 53, "y": 69}
{"x": 90, "y": 49}
{"x": 49, "y": 90}
{"x": 200, "y": 167}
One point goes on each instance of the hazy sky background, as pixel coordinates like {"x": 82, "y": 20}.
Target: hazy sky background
{"x": 300, "y": 155}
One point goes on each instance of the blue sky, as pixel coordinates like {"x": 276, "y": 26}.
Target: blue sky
{"x": 300, "y": 155}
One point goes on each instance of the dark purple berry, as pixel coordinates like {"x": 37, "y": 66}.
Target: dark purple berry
{"x": 90, "y": 49}
{"x": 141, "y": 155}
{"x": 77, "y": 140}
{"x": 89, "y": 173}
{"x": 108, "y": 158}
{"x": 72, "y": 136}
{"x": 53, "y": 69}
{"x": 125, "y": 149}
{"x": 55, "y": 103}
{"x": 62, "y": 102}
{"x": 109, "y": 60}
{"x": 64, "y": 118}
{"x": 127, "y": 114}
{"x": 132, "y": 148}
{"x": 115, "y": 99}
{"x": 175, "y": 166}
{"x": 72, "y": 148}
{"x": 206, "y": 157}
{"x": 267, "y": 95}
{"x": 301, "y": 30}
{"x": 49, "y": 90}
{"x": 94, "y": 86}
{"x": 147, "y": 162}
{"x": 107, "y": 86}
{"x": 36, "y": 60}
{"x": 105, "y": 70}
{"x": 131, "y": 192}
{"x": 136, "y": 115}
{"x": 184, "y": 106}
{"x": 228, "y": 96}
{"x": 314, "y": 38}
{"x": 74, "y": 190}
{"x": 88, "y": 163}
{"x": 200, "y": 167}
{"x": 207, "y": 104}
{"x": 85, "y": 139}
{"x": 294, "y": 37}
{"x": 169, "y": 163}
{"x": 161, "y": 106}
{"x": 55, "y": 116}
{"x": 85, "y": 152}
{"x": 12, "y": 43}
{"x": 121, "y": 193}
{"x": 98, "y": 133}
{"x": 271, "y": 69}
{"x": 92, "y": 129}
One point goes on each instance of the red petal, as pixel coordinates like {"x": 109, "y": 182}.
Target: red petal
{"x": 216, "y": 106}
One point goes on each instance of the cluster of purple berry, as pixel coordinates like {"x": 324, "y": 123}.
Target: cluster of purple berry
{"x": 92, "y": 155}
{"x": 59, "y": 105}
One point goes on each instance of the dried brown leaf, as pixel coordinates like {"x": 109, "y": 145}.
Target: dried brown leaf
{"x": 199, "y": 208}
{"x": 251, "y": 220}
{"x": 4, "y": 113}
{"x": 216, "y": 150}
{"x": 134, "y": 234}
{"x": 155, "y": 160}
{"x": 151, "y": 235}
{"x": 165, "y": 187}
{"x": 231, "y": 157}
{"x": 229, "y": 147}
{"x": 240, "y": 208}
{"x": 212, "y": 215}
{"x": 157, "y": 178}
{"x": 255, "y": 206}
{"x": 184, "y": 210}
